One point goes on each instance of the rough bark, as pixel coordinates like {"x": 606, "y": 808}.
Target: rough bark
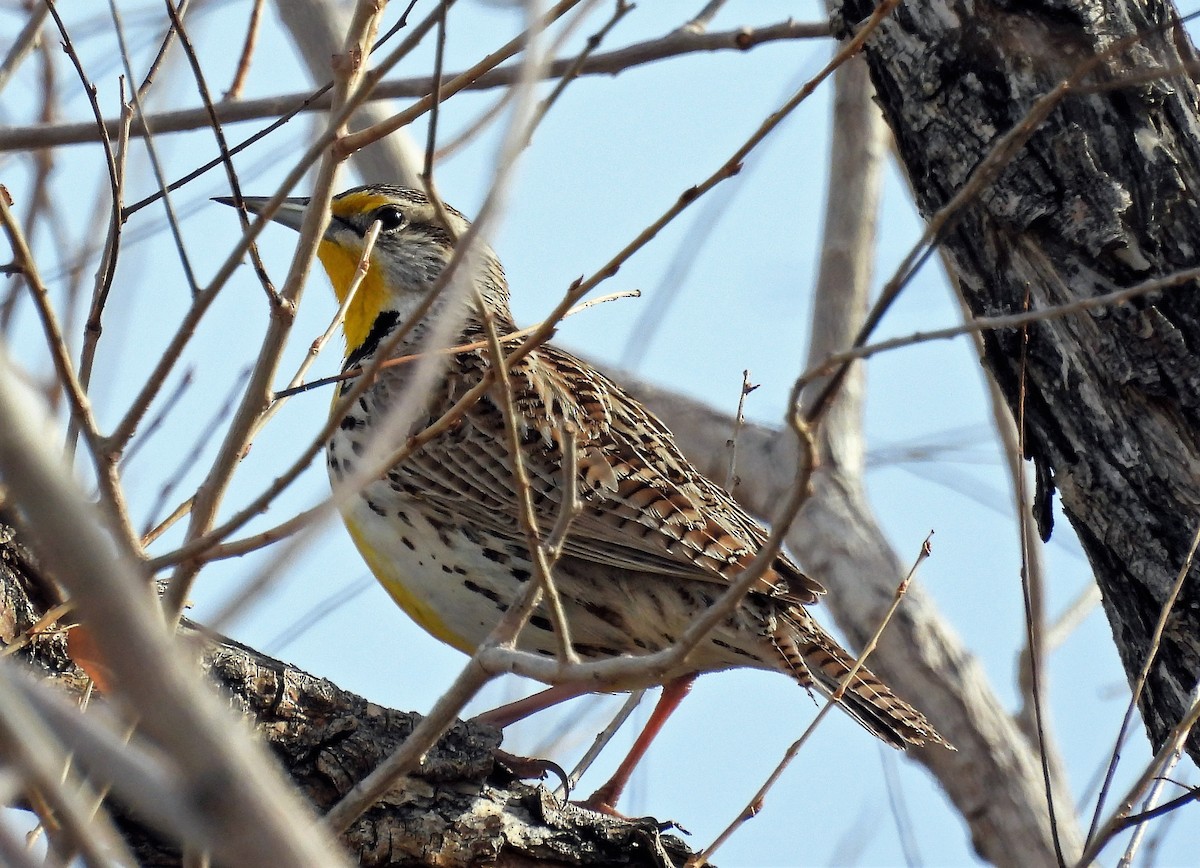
{"x": 1101, "y": 196}
{"x": 461, "y": 809}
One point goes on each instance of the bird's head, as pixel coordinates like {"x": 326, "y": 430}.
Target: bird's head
{"x": 412, "y": 250}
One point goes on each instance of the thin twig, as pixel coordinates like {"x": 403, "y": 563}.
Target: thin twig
{"x": 524, "y": 492}
{"x": 602, "y": 740}
{"x": 80, "y": 408}
{"x": 261, "y": 540}
{"x": 1140, "y": 684}
{"x": 739, "y": 420}
{"x": 243, "y": 67}
{"x": 1118, "y": 821}
{"x": 115, "y": 171}
{"x": 1072, "y": 616}
{"x": 222, "y": 146}
{"x": 1035, "y": 615}
{"x": 147, "y": 134}
{"x": 316, "y": 613}
{"x": 675, "y": 44}
{"x": 1004, "y": 321}
{"x": 572, "y": 504}
{"x": 756, "y": 803}
{"x": 106, "y": 272}
{"x": 435, "y": 106}
{"x": 188, "y": 460}
{"x": 1193, "y": 794}
{"x": 43, "y": 624}
{"x": 41, "y": 205}
{"x": 1139, "y": 831}
{"x": 898, "y": 807}
{"x": 164, "y": 47}
{"x": 472, "y": 129}
{"x": 169, "y": 404}
{"x": 24, "y": 42}
{"x": 167, "y": 523}
{"x": 350, "y": 72}
{"x": 355, "y": 373}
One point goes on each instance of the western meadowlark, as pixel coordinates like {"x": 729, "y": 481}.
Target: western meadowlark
{"x": 656, "y": 541}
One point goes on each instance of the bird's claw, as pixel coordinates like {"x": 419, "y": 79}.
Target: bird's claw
{"x": 531, "y": 768}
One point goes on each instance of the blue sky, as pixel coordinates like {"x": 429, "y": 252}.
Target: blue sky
{"x": 611, "y": 156}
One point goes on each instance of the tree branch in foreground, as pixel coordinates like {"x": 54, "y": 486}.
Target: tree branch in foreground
{"x": 460, "y": 808}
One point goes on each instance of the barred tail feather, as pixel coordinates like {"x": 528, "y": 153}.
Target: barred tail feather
{"x": 815, "y": 660}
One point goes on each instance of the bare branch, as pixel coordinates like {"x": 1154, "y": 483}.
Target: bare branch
{"x": 24, "y": 43}
{"x": 756, "y": 803}
{"x": 1140, "y": 684}
{"x": 674, "y": 44}
{"x": 41, "y": 760}
{"x": 255, "y": 820}
{"x": 351, "y": 72}
{"x": 243, "y": 67}
{"x": 81, "y": 410}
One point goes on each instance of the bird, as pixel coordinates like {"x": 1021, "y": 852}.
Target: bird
{"x": 655, "y": 541}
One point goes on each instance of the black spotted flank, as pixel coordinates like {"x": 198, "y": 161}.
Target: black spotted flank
{"x": 380, "y": 329}
{"x": 495, "y": 556}
{"x": 479, "y": 589}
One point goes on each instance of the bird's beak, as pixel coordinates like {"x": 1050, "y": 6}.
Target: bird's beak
{"x": 290, "y": 213}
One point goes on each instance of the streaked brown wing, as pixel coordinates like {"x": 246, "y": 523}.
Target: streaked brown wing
{"x": 646, "y": 508}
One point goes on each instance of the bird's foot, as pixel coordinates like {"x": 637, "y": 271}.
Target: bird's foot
{"x": 530, "y": 768}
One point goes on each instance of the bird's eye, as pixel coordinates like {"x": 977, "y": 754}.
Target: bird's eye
{"x": 390, "y": 218}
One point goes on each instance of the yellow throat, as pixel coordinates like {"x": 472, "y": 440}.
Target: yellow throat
{"x": 340, "y": 264}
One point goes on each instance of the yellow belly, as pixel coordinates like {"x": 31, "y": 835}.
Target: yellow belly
{"x": 413, "y": 604}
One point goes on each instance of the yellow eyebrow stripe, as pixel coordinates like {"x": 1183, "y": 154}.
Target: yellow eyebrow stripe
{"x": 358, "y": 203}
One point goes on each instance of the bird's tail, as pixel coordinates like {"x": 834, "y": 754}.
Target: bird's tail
{"x": 816, "y": 661}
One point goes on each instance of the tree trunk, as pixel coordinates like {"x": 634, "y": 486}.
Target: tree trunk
{"x": 1100, "y": 196}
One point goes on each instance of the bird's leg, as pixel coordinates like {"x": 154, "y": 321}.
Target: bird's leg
{"x": 506, "y": 715}
{"x": 605, "y": 799}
